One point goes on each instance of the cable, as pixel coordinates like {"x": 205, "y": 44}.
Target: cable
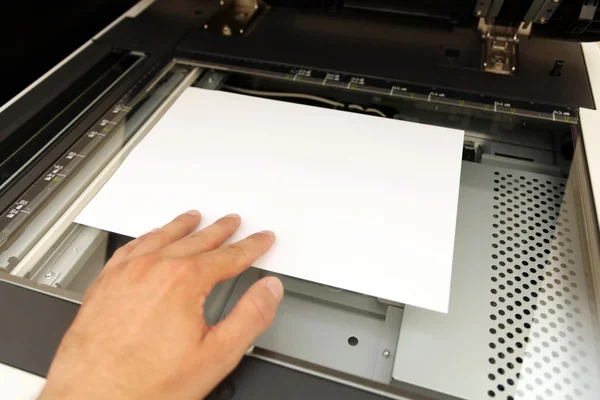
{"x": 376, "y": 111}
{"x": 355, "y": 107}
{"x": 367, "y": 110}
{"x": 304, "y": 96}
{"x": 283, "y": 94}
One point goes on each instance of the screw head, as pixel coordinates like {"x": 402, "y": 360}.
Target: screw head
{"x": 479, "y": 13}
{"x": 74, "y": 249}
{"x": 226, "y": 30}
{"x": 543, "y": 21}
{"x": 386, "y": 353}
{"x": 49, "y": 274}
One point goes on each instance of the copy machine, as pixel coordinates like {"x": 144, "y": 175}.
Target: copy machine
{"x": 514, "y": 75}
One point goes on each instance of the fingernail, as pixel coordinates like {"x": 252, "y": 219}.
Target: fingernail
{"x": 154, "y": 230}
{"x": 275, "y": 286}
{"x": 268, "y": 233}
{"x": 195, "y": 213}
{"x": 236, "y": 216}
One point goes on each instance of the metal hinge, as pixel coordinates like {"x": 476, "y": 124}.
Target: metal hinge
{"x": 233, "y": 17}
{"x": 500, "y": 46}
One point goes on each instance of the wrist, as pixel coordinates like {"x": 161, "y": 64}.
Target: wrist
{"x": 77, "y": 391}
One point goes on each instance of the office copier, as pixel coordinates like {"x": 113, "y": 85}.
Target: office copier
{"x": 514, "y": 75}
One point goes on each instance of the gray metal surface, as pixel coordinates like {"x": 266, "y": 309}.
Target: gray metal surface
{"x": 326, "y": 333}
{"x": 81, "y": 281}
{"x": 217, "y": 300}
{"x": 507, "y": 162}
{"x": 531, "y": 147}
{"x": 70, "y": 256}
{"x": 344, "y": 298}
{"x": 258, "y": 379}
{"x": 519, "y": 324}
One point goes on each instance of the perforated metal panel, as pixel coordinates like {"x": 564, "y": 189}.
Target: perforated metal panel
{"x": 539, "y": 317}
{"x": 519, "y": 324}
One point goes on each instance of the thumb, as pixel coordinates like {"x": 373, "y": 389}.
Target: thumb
{"x": 250, "y": 317}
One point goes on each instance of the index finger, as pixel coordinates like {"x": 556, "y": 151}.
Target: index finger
{"x": 231, "y": 260}
{"x": 175, "y": 230}
{"x": 206, "y": 239}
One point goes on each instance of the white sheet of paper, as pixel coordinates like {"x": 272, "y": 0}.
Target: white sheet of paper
{"x": 358, "y": 202}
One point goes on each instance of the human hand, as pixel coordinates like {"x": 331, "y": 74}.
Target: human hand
{"x": 140, "y": 332}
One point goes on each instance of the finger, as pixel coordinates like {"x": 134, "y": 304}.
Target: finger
{"x": 179, "y": 228}
{"x": 231, "y": 260}
{"x": 205, "y": 240}
{"x": 123, "y": 252}
{"x": 250, "y": 317}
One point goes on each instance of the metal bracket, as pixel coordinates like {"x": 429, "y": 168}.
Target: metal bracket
{"x": 500, "y": 47}
{"x": 212, "y": 80}
{"x": 482, "y": 7}
{"x": 488, "y": 9}
{"x": 233, "y": 17}
{"x": 541, "y": 11}
{"x": 588, "y": 10}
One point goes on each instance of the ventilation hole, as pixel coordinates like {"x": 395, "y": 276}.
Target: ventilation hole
{"x": 352, "y": 340}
